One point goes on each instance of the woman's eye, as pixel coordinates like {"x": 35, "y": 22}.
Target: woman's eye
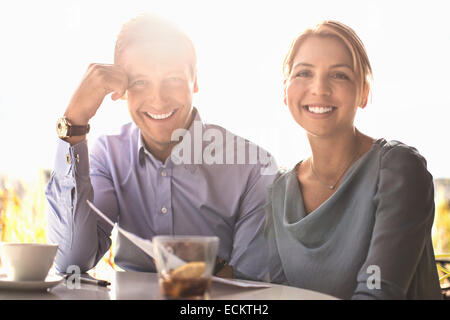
{"x": 302, "y": 74}
{"x": 340, "y": 76}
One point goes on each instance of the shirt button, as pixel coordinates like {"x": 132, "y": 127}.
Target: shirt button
{"x": 163, "y": 173}
{"x": 164, "y": 210}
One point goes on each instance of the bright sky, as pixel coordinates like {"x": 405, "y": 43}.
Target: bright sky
{"x": 46, "y": 47}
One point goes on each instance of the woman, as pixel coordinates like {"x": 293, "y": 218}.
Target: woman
{"x": 354, "y": 219}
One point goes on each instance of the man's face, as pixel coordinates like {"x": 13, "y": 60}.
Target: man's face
{"x": 161, "y": 84}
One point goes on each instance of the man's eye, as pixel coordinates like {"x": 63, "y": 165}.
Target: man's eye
{"x": 174, "y": 79}
{"x": 138, "y": 83}
{"x": 173, "y": 82}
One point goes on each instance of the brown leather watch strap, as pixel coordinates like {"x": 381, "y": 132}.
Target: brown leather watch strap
{"x": 78, "y": 130}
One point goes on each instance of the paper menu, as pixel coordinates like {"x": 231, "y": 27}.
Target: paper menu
{"x": 143, "y": 244}
{"x": 147, "y": 246}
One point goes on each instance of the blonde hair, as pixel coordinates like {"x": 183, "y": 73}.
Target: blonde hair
{"x": 147, "y": 28}
{"x": 353, "y": 43}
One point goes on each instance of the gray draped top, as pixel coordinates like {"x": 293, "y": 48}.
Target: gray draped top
{"x": 370, "y": 240}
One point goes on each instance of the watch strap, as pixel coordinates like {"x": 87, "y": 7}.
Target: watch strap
{"x": 73, "y": 130}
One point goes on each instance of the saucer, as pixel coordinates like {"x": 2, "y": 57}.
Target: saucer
{"x": 49, "y": 282}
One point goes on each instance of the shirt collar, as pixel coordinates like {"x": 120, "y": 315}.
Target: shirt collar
{"x": 196, "y": 156}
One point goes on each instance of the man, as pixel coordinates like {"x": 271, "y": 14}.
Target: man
{"x": 160, "y": 174}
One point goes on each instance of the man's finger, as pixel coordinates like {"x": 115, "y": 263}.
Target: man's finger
{"x": 117, "y": 95}
{"x": 117, "y": 84}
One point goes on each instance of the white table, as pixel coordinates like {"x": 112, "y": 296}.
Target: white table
{"x": 144, "y": 286}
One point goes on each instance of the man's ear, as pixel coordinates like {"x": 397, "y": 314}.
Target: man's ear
{"x": 195, "y": 85}
{"x": 284, "y": 92}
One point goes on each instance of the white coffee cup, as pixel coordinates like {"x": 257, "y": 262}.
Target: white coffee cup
{"x": 27, "y": 261}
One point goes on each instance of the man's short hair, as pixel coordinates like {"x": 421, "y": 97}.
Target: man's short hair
{"x": 148, "y": 28}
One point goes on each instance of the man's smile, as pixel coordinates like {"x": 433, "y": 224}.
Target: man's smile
{"x": 160, "y": 116}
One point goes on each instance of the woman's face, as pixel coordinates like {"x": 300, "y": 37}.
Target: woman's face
{"x": 321, "y": 91}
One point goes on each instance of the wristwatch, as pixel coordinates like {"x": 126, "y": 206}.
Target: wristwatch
{"x": 65, "y": 129}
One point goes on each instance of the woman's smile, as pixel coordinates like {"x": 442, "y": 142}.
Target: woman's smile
{"x": 319, "y": 110}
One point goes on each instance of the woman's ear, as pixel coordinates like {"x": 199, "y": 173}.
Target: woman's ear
{"x": 125, "y": 96}
{"x": 366, "y": 98}
{"x": 284, "y": 92}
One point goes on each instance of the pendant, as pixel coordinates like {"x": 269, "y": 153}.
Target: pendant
{"x": 331, "y": 187}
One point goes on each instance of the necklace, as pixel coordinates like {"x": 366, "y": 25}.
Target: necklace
{"x": 340, "y": 176}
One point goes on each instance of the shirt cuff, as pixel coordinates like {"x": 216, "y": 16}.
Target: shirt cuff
{"x": 73, "y": 159}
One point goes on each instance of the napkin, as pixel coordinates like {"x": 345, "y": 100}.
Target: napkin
{"x": 147, "y": 246}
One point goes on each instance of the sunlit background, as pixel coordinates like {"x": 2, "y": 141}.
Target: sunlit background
{"x": 46, "y": 46}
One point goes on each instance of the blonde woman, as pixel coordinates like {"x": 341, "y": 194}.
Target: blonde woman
{"x": 354, "y": 219}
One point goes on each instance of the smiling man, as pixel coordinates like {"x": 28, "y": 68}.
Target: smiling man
{"x": 135, "y": 176}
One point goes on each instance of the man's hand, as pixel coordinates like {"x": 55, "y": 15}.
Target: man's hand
{"x": 223, "y": 269}
{"x": 225, "y": 272}
{"x": 98, "y": 81}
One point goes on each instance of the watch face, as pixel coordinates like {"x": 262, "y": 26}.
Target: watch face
{"x": 62, "y": 128}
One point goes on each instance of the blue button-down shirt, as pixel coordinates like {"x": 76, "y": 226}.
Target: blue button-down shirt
{"x": 148, "y": 197}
